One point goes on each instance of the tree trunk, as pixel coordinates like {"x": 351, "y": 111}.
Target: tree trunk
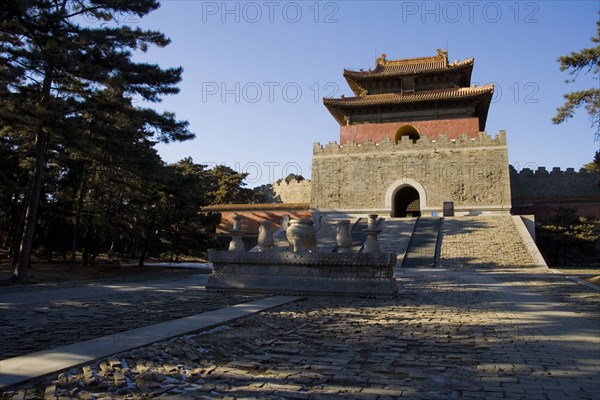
{"x": 35, "y": 188}
{"x": 143, "y": 253}
{"x": 145, "y": 248}
{"x": 20, "y": 272}
{"x": 85, "y": 254}
{"x": 16, "y": 241}
{"x": 77, "y": 223}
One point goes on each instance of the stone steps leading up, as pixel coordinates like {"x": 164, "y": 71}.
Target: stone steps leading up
{"x": 483, "y": 241}
{"x": 422, "y": 246}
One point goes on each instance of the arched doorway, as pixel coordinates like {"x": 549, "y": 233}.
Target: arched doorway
{"x": 397, "y": 200}
{"x": 407, "y": 130}
{"x": 406, "y": 203}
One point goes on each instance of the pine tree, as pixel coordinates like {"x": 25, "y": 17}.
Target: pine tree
{"x": 589, "y": 60}
{"x": 56, "y": 74}
{"x": 226, "y": 186}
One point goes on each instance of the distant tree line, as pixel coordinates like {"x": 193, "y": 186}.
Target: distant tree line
{"x": 147, "y": 208}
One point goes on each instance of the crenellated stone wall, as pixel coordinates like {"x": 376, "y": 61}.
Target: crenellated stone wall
{"x": 293, "y": 191}
{"x": 554, "y": 183}
{"x": 541, "y": 192}
{"x": 471, "y": 172}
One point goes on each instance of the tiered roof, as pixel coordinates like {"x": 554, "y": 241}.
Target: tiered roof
{"x": 395, "y": 88}
{"x": 338, "y": 107}
{"x": 390, "y": 69}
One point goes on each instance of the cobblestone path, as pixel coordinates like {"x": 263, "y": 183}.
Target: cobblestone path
{"x": 46, "y": 316}
{"x": 449, "y": 335}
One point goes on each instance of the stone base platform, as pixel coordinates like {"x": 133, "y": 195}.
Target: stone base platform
{"x": 309, "y": 273}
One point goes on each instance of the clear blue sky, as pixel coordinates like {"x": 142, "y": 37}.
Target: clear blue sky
{"x": 255, "y": 72}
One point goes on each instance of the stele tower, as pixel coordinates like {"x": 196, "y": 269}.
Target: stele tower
{"x": 412, "y": 143}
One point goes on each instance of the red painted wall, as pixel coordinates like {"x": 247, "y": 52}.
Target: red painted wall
{"x": 433, "y": 128}
{"x": 252, "y": 219}
{"x": 589, "y": 210}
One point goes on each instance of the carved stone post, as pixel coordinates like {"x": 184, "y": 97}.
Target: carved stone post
{"x": 237, "y": 222}
{"x": 372, "y": 221}
{"x": 371, "y": 244}
{"x": 343, "y": 237}
{"x": 265, "y": 236}
{"x": 237, "y": 244}
{"x": 301, "y": 235}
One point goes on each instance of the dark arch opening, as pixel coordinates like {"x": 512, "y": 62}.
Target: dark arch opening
{"x": 407, "y": 130}
{"x": 407, "y": 203}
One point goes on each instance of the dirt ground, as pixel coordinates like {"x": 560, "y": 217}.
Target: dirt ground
{"x": 591, "y": 275}
{"x": 59, "y": 272}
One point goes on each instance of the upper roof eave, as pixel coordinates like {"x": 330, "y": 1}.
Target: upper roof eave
{"x": 339, "y": 106}
{"x": 396, "y": 98}
{"x": 392, "y": 70}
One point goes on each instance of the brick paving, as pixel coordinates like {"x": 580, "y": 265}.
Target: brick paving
{"x": 45, "y": 316}
{"x": 449, "y": 335}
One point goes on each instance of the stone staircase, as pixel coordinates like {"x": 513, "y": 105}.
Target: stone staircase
{"x": 421, "y": 250}
{"x": 395, "y": 235}
{"x": 483, "y": 241}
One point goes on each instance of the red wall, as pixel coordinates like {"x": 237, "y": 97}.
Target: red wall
{"x": 589, "y": 210}
{"x": 433, "y": 128}
{"x": 252, "y": 219}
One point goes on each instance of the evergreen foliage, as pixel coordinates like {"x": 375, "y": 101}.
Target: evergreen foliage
{"x": 587, "y": 60}
{"x": 78, "y": 169}
{"x": 566, "y": 239}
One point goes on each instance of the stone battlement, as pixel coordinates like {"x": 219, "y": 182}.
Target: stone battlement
{"x": 554, "y": 183}
{"x": 293, "y": 191}
{"x": 424, "y": 143}
{"x": 554, "y": 171}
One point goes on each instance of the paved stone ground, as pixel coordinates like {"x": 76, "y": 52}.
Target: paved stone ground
{"x": 450, "y": 335}
{"x": 46, "y": 316}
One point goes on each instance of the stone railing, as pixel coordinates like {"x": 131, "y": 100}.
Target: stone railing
{"x": 303, "y": 270}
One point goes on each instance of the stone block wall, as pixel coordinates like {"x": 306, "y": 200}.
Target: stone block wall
{"x": 555, "y": 183}
{"x": 293, "y": 191}
{"x": 471, "y": 172}
{"x": 541, "y": 192}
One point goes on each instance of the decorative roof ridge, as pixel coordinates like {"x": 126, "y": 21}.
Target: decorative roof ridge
{"x": 442, "y": 55}
{"x": 425, "y": 65}
{"x": 454, "y": 64}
